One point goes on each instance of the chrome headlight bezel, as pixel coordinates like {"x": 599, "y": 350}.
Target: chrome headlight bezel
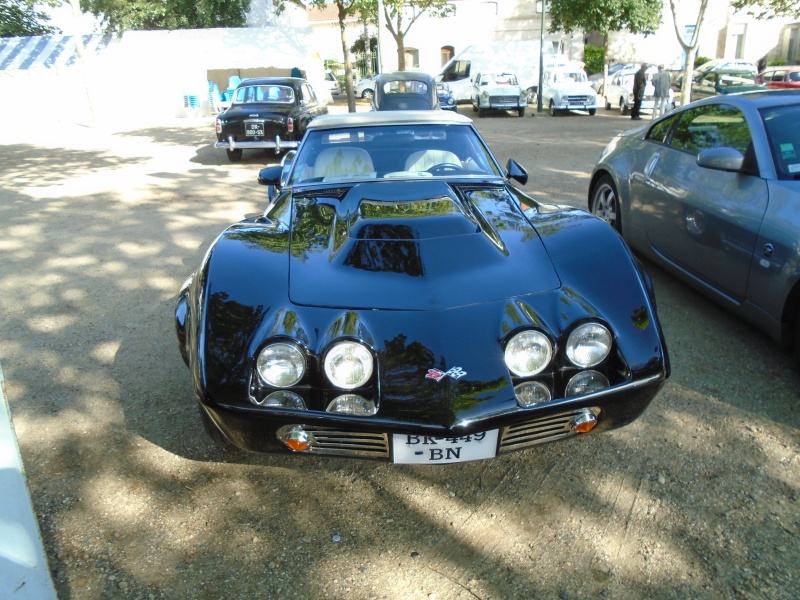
{"x": 281, "y": 364}
{"x": 515, "y": 352}
{"x": 357, "y": 356}
{"x": 588, "y": 344}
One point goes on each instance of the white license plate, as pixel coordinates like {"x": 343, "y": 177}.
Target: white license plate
{"x": 425, "y": 450}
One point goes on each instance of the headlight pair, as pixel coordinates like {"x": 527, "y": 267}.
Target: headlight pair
{"x": 347, "y": 364}
{"x": 529, "y": 352}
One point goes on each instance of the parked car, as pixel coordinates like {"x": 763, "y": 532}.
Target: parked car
{"x": 498, "y": 91}
{"x": 596, "y": 79}
{"x": 620, "y": 91}
{"x": 332, "y": 81}
{"x": 718, "y": 64}
{"x": 446, "y": 99}
{"x": 714, "y": 83}
{"x": 567, "y": 88}
{"x": 780, "y": 77}
{"x": 267, "y": 113}
{"x": 405, "y": 90}
{"x": 400, "y": 299}
{"x": 710, "y": 192}
{"x": 365, "y": 88}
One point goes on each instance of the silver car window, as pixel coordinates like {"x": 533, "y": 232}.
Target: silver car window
{"x": 711, "y": 126}
{"x": 783, "y": 130}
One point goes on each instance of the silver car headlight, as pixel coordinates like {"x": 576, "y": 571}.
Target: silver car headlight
{"x": 348, "y": 365}
{"x": 531, "y": 393}
{"x": 281, "y": 364}
{"x": 588, "y": 345}
{"x": 584, "y": 383}
{"x": 528, "y": 353}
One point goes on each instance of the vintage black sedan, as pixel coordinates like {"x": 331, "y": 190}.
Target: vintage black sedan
{"x": 399, "y": 299}
{"x": 267, "y": 113}
{"x": 711, "y": 192}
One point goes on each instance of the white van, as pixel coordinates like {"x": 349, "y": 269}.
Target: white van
{"x": 521, "y": 58}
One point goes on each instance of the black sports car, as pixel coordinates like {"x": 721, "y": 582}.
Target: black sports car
{"x": 269, "y": 112}
{"x": 400, "y": 300}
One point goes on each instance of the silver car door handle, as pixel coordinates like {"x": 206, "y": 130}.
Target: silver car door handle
{"x": 650, "y": 166}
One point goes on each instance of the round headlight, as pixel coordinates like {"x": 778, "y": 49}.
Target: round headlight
{"x": 352, "y": 404}
{"x": 348, "y": 365}
{"x": 281, "y": 364}
{"x": 584, "y": 383}
{"x": 528, "y": 353}
{"x": 588, "y": 345}
{"x": 531, "y": 393}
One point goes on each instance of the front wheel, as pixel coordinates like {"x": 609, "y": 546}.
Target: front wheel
{"x": 521, "y": 112}
{"x": 605, "y": 202}
{"x": 368, "y": 94}
{"x": 234, "y": 155}
{"x": 553, "y": 111}
{"x": 592, "y": 112}
{"x": 623, "y": 108}
{"x": 608, "y": 105}
{"x": 481, "y": 112}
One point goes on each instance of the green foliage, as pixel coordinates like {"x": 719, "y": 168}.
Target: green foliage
{"x": 593, "y": 58}
{"x": 767, "y": 9}
{"x": 699, "y": 60}
{"x": 123, "y": 15}
{"x": 19, "y": 18}
{"x": 637, "y": 16}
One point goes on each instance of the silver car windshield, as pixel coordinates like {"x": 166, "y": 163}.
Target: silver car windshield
{"x": 783, "y": 129}
{"x": 391, "y": 152}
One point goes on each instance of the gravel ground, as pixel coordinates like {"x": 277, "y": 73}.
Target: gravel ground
{"x": 98, "y": 228}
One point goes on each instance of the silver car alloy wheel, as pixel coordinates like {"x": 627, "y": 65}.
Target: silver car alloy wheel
{"x": 605, "y": 204}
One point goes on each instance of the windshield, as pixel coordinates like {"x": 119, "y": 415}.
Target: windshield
{"x": 783, "y": 129}
{"x": 274, "y": 94}
{"x": 411, "y": 151}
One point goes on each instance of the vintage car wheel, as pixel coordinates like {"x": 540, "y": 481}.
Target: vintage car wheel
{"x": 481, "y": 112}
{"x": 234, "y": 155}
{"x": 521, "y": 111}
{"x": 592, "y": 112}
{"x": 368, "y": 94}
{"x": 623, "y": 108}
{"x": 553, "y": 111}
{"x": 605, "y": 202}
{"x": 608, "y": 105}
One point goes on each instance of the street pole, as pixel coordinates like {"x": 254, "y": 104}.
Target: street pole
{"x": 541, "y": 64}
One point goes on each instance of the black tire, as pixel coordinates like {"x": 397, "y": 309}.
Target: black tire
{"x": 605, "y": 202}
{"x": 608, "y": 105}
{"x": 368, "y": 94}
{"x": 623, "y": 108}
{"x": 481, "y": 112}
{"x": 521, "y": 112}
{"x": 553, "y": 111}
{"x": 592, "y": 112}
{"x": 234, "y": 155}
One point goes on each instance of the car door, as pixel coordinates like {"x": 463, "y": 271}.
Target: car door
{"x": 704, "y": 221}
{"x": 308, "y": 108}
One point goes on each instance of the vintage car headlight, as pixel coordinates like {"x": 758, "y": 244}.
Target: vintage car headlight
{"x": 485, "y": 95}
{"x": 585, "y": 382}
{"x": 283, "y": 399}
{"x": 281, "y": 364}
{"x": 352, "y": 404}
{"x": 348, "y": 365}
{"x": 528, "y": 353}
{"x": 531, "y": 393}
{"x": 588, "y": 345}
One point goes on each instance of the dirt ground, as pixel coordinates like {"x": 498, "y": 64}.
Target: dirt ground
{"x": 99, "y": 226}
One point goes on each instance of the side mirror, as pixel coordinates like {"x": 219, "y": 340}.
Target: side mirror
{"x": 721, "y": 159}
{"x": 271, "y": 177}
{"x": 516, "y": 172}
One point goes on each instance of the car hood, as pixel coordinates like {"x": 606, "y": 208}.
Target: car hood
{"x": 574, "y": 88}
{"x": 502, "y": 90}
{"x": 413, "y": 246}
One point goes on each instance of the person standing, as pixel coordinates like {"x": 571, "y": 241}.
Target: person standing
{"x": 661, "y": 83}
{"x": 639, "y": 83}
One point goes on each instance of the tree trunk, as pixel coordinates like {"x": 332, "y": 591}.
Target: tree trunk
{"x": 348, "y": 68}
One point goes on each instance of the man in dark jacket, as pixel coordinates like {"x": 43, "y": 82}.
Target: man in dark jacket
{"x": 639, "y": 83}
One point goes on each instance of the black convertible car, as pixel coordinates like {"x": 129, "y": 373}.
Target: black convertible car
{"x": 270, "y": 113}
{"x": 399, "y": 299}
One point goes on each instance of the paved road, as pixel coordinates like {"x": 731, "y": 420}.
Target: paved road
{"x": 697, "y": 499}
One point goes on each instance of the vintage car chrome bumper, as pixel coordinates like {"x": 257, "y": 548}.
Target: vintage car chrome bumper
{"x": 278, "y": 144}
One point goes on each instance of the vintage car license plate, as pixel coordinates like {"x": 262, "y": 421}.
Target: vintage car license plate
{"x": 254, "y": 128}
{"x": 425, "y": 450}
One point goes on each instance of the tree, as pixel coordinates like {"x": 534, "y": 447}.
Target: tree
{"x": 20, "y": 18}
{"x": 397, "y": 12}
{"x": 122, "y": 15}
{"x": 767, "y": 9}
{"x": 689, "y": 48}
{"x": 605, "y": 16}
